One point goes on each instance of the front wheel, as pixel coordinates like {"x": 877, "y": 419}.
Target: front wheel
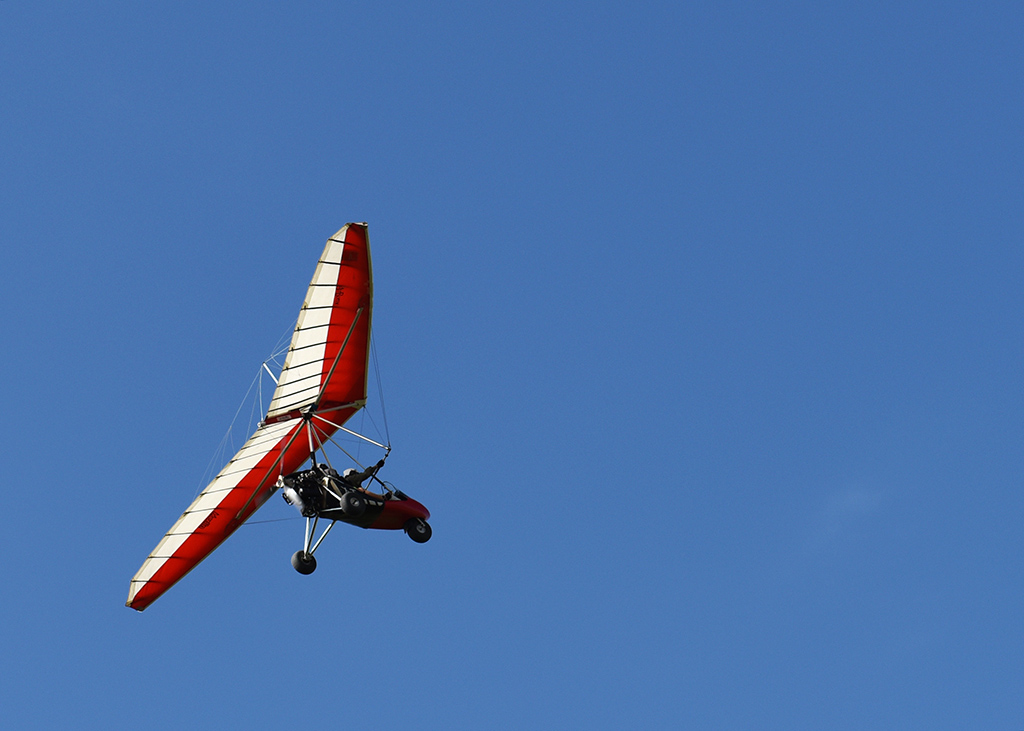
{"x": 418, "y": 530}
{"x": 303, "y": 562}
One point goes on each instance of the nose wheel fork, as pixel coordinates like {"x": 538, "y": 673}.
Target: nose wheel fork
{"x": 418, "y": 529}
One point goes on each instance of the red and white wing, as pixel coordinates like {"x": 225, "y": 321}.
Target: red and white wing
{"x": 325, "y": 370}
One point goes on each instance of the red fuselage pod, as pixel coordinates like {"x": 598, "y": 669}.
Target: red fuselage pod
{"x": 392, "y": 513}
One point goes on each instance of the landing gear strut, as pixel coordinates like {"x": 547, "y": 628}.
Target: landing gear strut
{"x": 303, "y": 561}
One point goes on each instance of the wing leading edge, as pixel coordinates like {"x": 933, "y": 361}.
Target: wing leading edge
{"x": 325, "y": 370}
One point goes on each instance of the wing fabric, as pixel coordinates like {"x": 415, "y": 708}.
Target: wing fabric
{"x": 340, "y": 294}
{"x": 336, "y": 312}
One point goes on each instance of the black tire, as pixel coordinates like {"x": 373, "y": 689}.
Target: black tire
{"x": 353, "y": 504}
{"x": 418, "y": 530}
{"x": 303, "y": 562}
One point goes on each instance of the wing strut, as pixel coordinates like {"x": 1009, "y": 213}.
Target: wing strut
{"x": 323, "y": 389}
{"x": 339, "y": 427}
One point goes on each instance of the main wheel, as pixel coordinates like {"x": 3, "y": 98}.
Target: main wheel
{"x": 303, "y": 562}
{"x": 353, "y": 504}
{"x": 418, "y": 530}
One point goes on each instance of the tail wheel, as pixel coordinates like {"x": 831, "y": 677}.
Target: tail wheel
{"x": 303, "y": 562}
{"x": 418, "y": 530}
{"x": 353, "y": 504}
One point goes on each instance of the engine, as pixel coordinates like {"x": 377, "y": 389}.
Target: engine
{"x": 302, "y": 490}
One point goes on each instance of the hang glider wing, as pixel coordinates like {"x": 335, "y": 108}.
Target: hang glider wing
{"x": 325, "y": 373}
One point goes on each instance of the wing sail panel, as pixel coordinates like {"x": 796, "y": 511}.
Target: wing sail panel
{"x": 341, "y": 288}
{"x": 217, "y": 512}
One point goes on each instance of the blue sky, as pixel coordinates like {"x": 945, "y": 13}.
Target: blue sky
{"x": 699, "y": 327}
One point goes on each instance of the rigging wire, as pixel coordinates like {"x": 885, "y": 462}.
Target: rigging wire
{"x": 281, "y": 347}
{"x": 225, "y": 440}
{"x": 380, "y": 389}
{"x": 271, "y": 520}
